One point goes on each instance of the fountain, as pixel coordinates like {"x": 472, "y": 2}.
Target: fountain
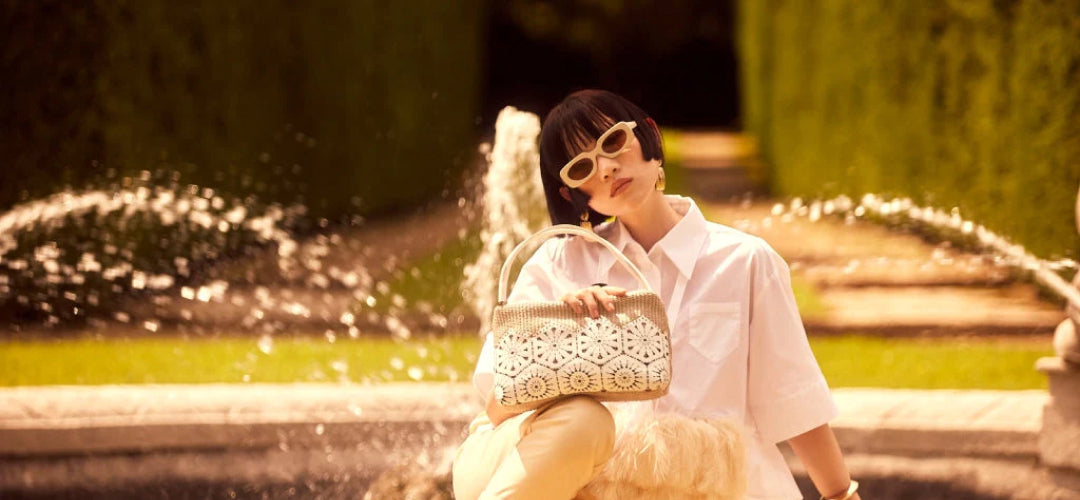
{"x": 513, "y": 205}
{"x": 245, "y": 440}
{"x": 1061, "y": 416}
{"x": 307, "y": 440}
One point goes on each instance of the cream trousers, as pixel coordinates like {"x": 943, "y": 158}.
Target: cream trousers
{"x": 550, "y": 453}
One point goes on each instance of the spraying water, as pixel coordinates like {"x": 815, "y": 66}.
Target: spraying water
{"x": 166, "y": 257}
{"x": 904, "y": 211}
{"x": 72, "y": 253}
{"x": 513, "y": 205}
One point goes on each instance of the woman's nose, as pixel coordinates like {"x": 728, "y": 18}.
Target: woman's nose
{"x": 608, "y": 167}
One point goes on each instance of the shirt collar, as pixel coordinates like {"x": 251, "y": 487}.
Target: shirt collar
{"x": 681, "y": 244}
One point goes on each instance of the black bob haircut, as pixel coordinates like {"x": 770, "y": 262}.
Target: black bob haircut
{"x": 573, "y": 126}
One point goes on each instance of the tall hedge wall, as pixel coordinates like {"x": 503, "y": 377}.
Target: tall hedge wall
{"x": 962, "y": 103}
{"x": 375, "y": 101}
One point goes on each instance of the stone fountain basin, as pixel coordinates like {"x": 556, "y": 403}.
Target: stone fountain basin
{"x": 332, "y": 441}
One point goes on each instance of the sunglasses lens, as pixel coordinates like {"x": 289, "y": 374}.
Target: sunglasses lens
{"x": 614, "y": 142}
{"x": 580, "y": 169}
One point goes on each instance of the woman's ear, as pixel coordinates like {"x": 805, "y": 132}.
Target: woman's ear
{"x": 565, "y": 193}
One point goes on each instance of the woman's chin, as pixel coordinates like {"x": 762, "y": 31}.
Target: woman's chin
{"x": 629, "y": 202}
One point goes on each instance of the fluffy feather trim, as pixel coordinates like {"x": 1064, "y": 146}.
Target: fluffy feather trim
{"x": 672, "y": 457}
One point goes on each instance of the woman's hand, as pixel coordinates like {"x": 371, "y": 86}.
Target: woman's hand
{"x": 592, "y": 298}
{"x": 496, "y": 414}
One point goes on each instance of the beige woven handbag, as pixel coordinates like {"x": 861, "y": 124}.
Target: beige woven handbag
{"x": 545, "y": 351}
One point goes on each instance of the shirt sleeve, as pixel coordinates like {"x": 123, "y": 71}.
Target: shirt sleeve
{"x": 536, "y": 282}
{"x": 787, "y": 393}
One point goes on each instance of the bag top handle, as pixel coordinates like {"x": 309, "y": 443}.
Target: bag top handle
{"x": 543, "y": 234}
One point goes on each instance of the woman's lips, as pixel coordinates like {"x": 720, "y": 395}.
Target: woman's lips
{"x": 619, "y": 186}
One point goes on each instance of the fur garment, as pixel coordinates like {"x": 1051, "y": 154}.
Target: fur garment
{"x": 662, "y": 456}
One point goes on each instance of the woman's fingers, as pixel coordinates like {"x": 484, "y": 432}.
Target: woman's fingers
{"x": 575, "y": 303}
{"x": 591, "y": 299}
{"x": 605, "y": 299}
{"x": 615, "y": 290}
{"x": 588, "y": 298}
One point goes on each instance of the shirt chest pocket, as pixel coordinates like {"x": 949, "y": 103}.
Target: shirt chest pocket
{"x": 714, "y": 329}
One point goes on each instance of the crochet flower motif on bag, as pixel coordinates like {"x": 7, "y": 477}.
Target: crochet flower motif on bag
{"x": 593, "y": 357}
{"x": 554, "y": 345}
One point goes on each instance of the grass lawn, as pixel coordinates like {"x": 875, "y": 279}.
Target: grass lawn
{"x": 927, "y": 363}
{"x": 848, "y": 361}
{"x": 171, "y": 360}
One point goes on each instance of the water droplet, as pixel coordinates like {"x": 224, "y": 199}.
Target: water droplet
{"x": 416, "y": 373}
{"x": 396, "y": 363}
{"x": 266, "y": 344}
{"x": 151, "y": 325}
{"x": 320, "y": 429}
{"x": 138, "y": 280}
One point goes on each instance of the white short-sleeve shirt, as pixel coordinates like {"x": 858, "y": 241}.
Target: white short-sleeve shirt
{"x": 739, "y": 349}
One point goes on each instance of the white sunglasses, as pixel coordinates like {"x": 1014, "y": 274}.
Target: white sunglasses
{"x": 610, "y": 144}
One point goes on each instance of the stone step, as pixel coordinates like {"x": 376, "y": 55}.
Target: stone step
{"x": 713, "y": 145}
{"x": 884, "y": 272}
{"x": 887, "y": 476}
{"x": 66, "y": 420}
{"x": 939, "y": 309}
{"x": 939, "y": 422}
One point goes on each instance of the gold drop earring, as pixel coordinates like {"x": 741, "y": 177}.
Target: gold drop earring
{"x": 661, "y": 183}
{"x": 585, "y": 224}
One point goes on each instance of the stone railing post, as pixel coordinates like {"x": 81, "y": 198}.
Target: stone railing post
{"x": 1059, "y": 439}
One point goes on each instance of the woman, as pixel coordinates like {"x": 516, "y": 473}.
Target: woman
{"x": 739, "y": 350}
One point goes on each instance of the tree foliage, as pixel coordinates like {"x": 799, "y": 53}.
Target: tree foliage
{"x": 969, "y": 104}
{"x": 351, "y": 106}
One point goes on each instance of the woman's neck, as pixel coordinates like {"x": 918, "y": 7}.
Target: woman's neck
{"x": 651, "y": 221}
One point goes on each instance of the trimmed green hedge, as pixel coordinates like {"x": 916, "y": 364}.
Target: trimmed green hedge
{"x": 972, "y": 104}
{"x": 374, "y": 101}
